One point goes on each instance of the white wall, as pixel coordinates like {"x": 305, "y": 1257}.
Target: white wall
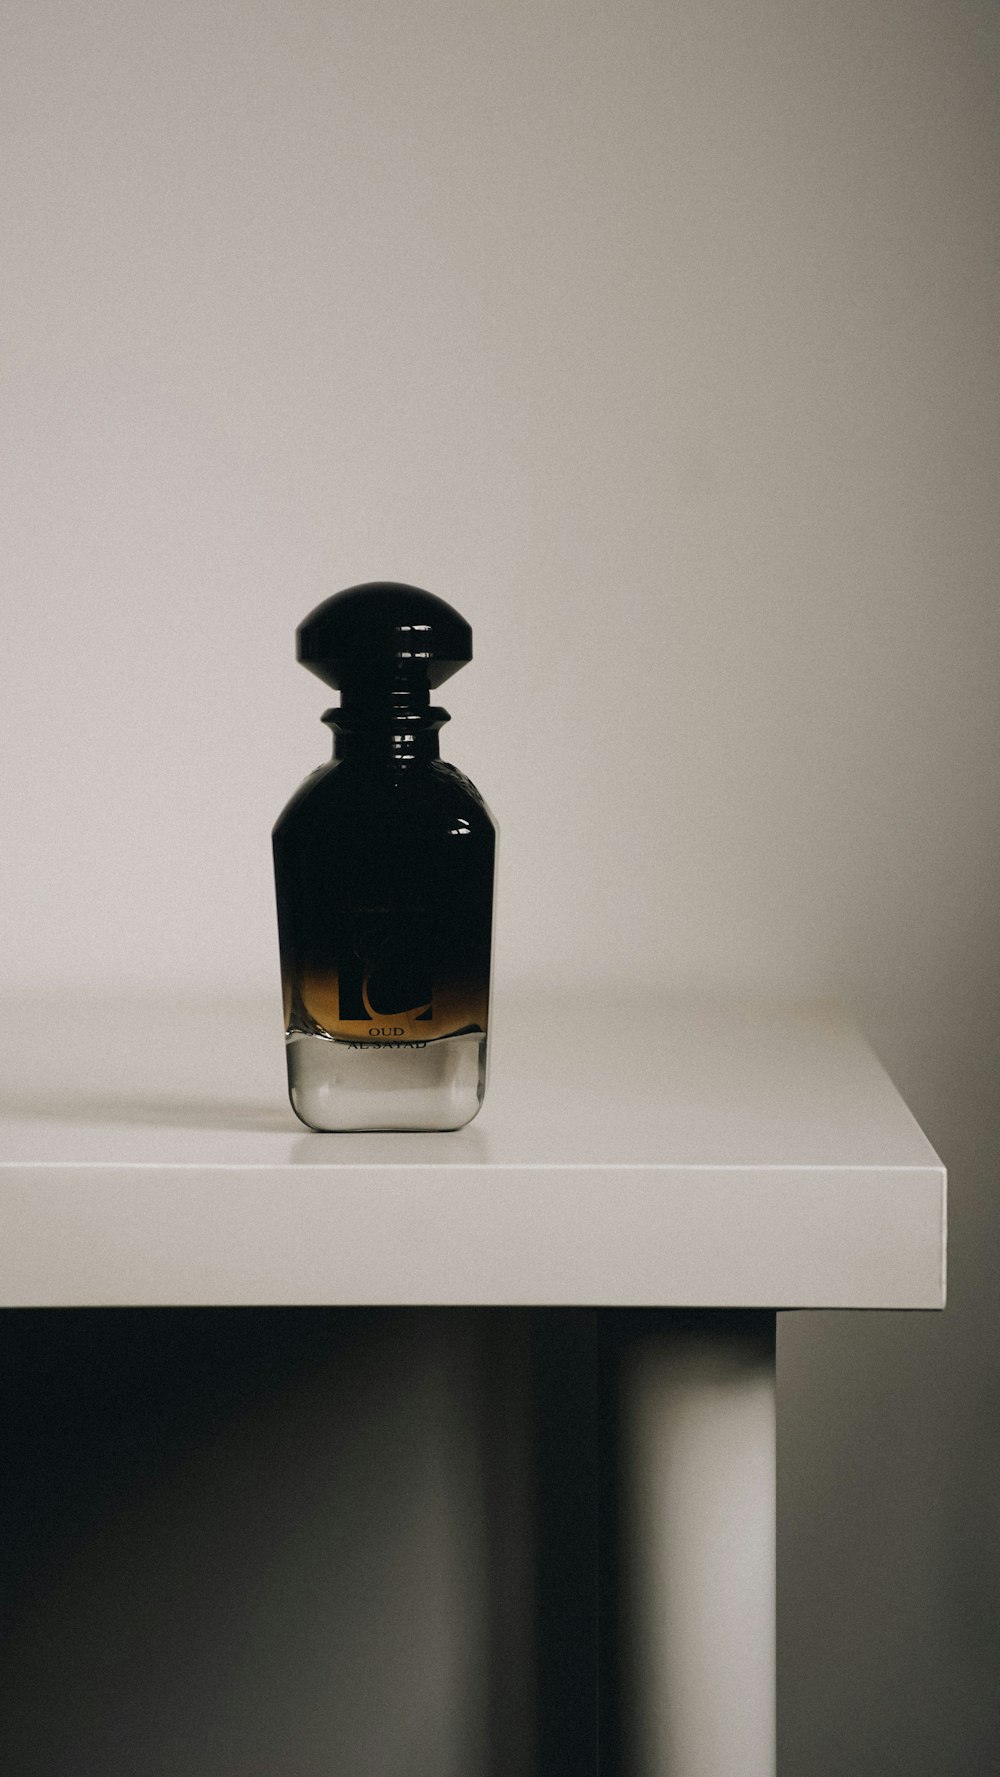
{"x": 661, "y": 339}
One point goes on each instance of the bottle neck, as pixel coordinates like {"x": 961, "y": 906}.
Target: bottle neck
{"x": 394, "y": 726}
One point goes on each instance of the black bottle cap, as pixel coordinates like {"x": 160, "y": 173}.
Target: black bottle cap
{"x": 383, "y": 633}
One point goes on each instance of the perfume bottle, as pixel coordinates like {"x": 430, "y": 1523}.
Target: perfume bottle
{"x": 384, "y": 870}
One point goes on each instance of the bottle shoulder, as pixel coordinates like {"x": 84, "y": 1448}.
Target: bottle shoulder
{"x": 311, "y": 790}
{"x": 339, "y": 789}
{"x": 455, "y": 787}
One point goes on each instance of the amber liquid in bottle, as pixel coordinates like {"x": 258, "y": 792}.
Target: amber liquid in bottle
{"x": 384, "y": 870}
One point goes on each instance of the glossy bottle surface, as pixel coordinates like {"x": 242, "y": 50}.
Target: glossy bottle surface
{"x": 384, "y": 869}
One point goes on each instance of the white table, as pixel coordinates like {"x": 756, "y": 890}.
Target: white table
{"x": 705, "y": 1163}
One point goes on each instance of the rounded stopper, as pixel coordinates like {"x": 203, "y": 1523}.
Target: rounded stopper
{"x": 383, "y": 631}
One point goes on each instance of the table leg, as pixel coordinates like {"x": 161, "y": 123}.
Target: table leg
{"x": 690, "y": 1544}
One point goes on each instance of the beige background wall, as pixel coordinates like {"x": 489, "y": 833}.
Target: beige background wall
{"x": 660, "y": 338}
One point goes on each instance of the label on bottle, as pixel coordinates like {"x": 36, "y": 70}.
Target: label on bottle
{"x": 385, "y": 970}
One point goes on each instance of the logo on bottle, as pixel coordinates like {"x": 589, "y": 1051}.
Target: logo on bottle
{"x": 385, "y": 972}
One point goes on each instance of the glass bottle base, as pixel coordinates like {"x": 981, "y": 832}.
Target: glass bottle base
{"x": 338, "y": 1086}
